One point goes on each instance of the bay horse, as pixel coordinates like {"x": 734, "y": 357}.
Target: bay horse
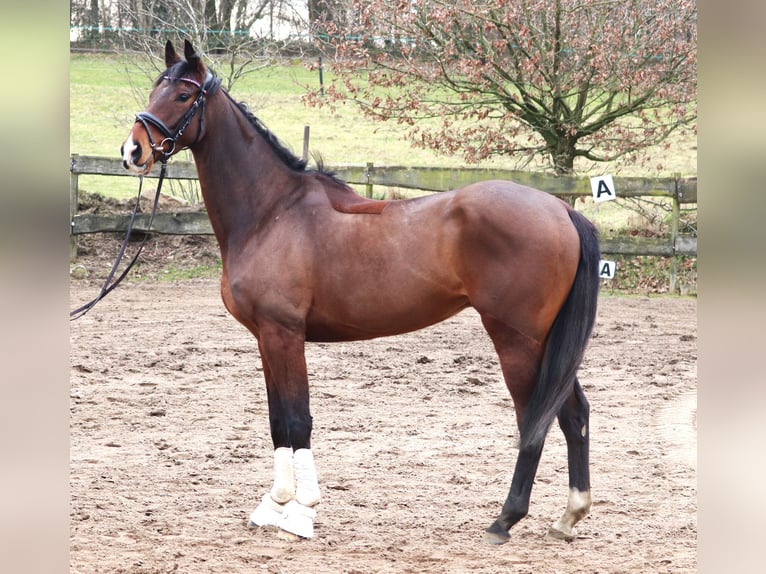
{"x": 307, "y": 259}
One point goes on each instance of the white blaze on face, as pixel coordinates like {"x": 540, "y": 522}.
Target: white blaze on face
{"x": 127, "y": 153}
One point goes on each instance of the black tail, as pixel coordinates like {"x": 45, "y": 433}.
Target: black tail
{"x": 566, "y": 342}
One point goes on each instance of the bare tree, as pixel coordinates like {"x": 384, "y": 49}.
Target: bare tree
{"x": 236, "y": 36}
{"x": 230, "y": 33}
{"x": 559, "y": 79}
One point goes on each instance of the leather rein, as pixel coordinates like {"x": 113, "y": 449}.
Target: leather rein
{"x": 163, "y": 151}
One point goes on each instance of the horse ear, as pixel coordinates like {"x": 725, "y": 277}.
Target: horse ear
{"x": 170, "y": 54}
{"x": 191, "y": 56}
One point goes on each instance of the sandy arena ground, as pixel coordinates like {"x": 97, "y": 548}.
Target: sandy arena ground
{"x": 414, "y": 438}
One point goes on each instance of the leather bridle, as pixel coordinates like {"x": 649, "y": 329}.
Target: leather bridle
{"x": 167, "y": 146}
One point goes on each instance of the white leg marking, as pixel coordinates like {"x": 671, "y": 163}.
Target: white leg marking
{"x": 578, "y": 507}
{"x": 307, "y": 491}
{"x": 283, "y": 490}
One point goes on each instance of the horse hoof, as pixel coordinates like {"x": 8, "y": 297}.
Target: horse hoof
{"x": 496, "y": 534}
{"x": 560, "y": 532}
{"x": 298, "y": 519}
{"x": 287, "y": 536}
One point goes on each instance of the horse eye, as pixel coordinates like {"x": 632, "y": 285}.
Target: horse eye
{"x": 183, "y": 97}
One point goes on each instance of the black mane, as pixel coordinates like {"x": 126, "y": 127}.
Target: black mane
{"x": 283, "y": 152}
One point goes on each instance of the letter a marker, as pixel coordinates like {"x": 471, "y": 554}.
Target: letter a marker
{"x": 602, "y": 188}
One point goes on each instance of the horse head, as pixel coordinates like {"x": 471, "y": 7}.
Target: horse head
{"x": 174, "y": 118}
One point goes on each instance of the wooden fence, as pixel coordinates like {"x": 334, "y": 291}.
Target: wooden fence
{"x": 681, "y": 191}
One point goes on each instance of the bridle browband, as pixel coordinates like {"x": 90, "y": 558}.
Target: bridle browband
{"x": 207, "y": 89}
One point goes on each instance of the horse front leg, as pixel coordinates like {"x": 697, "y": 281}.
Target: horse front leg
{"x": 289, "y": 504}
{"x": 272, "y": 506}
{"x": 574, "y": 423}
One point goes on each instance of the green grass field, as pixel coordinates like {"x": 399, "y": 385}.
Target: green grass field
{"x": 106, "y": 91}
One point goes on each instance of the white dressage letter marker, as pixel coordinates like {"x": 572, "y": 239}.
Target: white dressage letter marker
{"x": 606, "y": 269}
{"x": 602, "y": 187}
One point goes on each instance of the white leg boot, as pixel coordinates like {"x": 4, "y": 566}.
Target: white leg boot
{"x": 272, "y": 505}
{"x": 283, "y": 490}
{"x": 298, "y": 519}
{"x": 299, "y": 514}
{"x": 268, "y": 513}
{"x": 307, "y": 490}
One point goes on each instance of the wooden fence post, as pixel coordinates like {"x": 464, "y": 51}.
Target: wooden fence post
{"x": 368, "y": 176}
{"x": 306, "y": 133}
{"x": 73, "y": 204}
{"x": 674, "y": 220}
{"x": 321, "y": 77}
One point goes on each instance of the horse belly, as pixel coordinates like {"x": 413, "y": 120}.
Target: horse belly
{"x": 364, "y": 312}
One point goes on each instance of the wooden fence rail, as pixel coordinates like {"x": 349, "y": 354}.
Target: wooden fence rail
{"x": 681, "y": 191}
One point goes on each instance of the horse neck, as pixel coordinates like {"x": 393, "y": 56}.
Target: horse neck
{"x": 241, "y": 177}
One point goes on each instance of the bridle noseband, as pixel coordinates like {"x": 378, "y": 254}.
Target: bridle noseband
{"x": 167, "y": 146}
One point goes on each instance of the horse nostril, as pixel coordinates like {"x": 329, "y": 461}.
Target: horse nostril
{"x": 136, "y": 153}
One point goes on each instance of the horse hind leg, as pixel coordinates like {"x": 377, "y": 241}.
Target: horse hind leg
{"x": 519, "y": 356}
{"x": 574, "y": 423}
{"x": 516, "y": 504}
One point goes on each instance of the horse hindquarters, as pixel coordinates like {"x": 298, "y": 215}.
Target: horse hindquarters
{"x": 556, "y": 392}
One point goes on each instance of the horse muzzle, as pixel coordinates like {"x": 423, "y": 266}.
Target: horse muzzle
{"x": 137, "y": 157}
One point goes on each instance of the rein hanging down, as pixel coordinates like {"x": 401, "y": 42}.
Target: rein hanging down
{"x": 108, "y": 285}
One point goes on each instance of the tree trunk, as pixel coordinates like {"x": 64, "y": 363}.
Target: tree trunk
{"x": 93, "y": 21}
{"x": 562, "y": 152}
